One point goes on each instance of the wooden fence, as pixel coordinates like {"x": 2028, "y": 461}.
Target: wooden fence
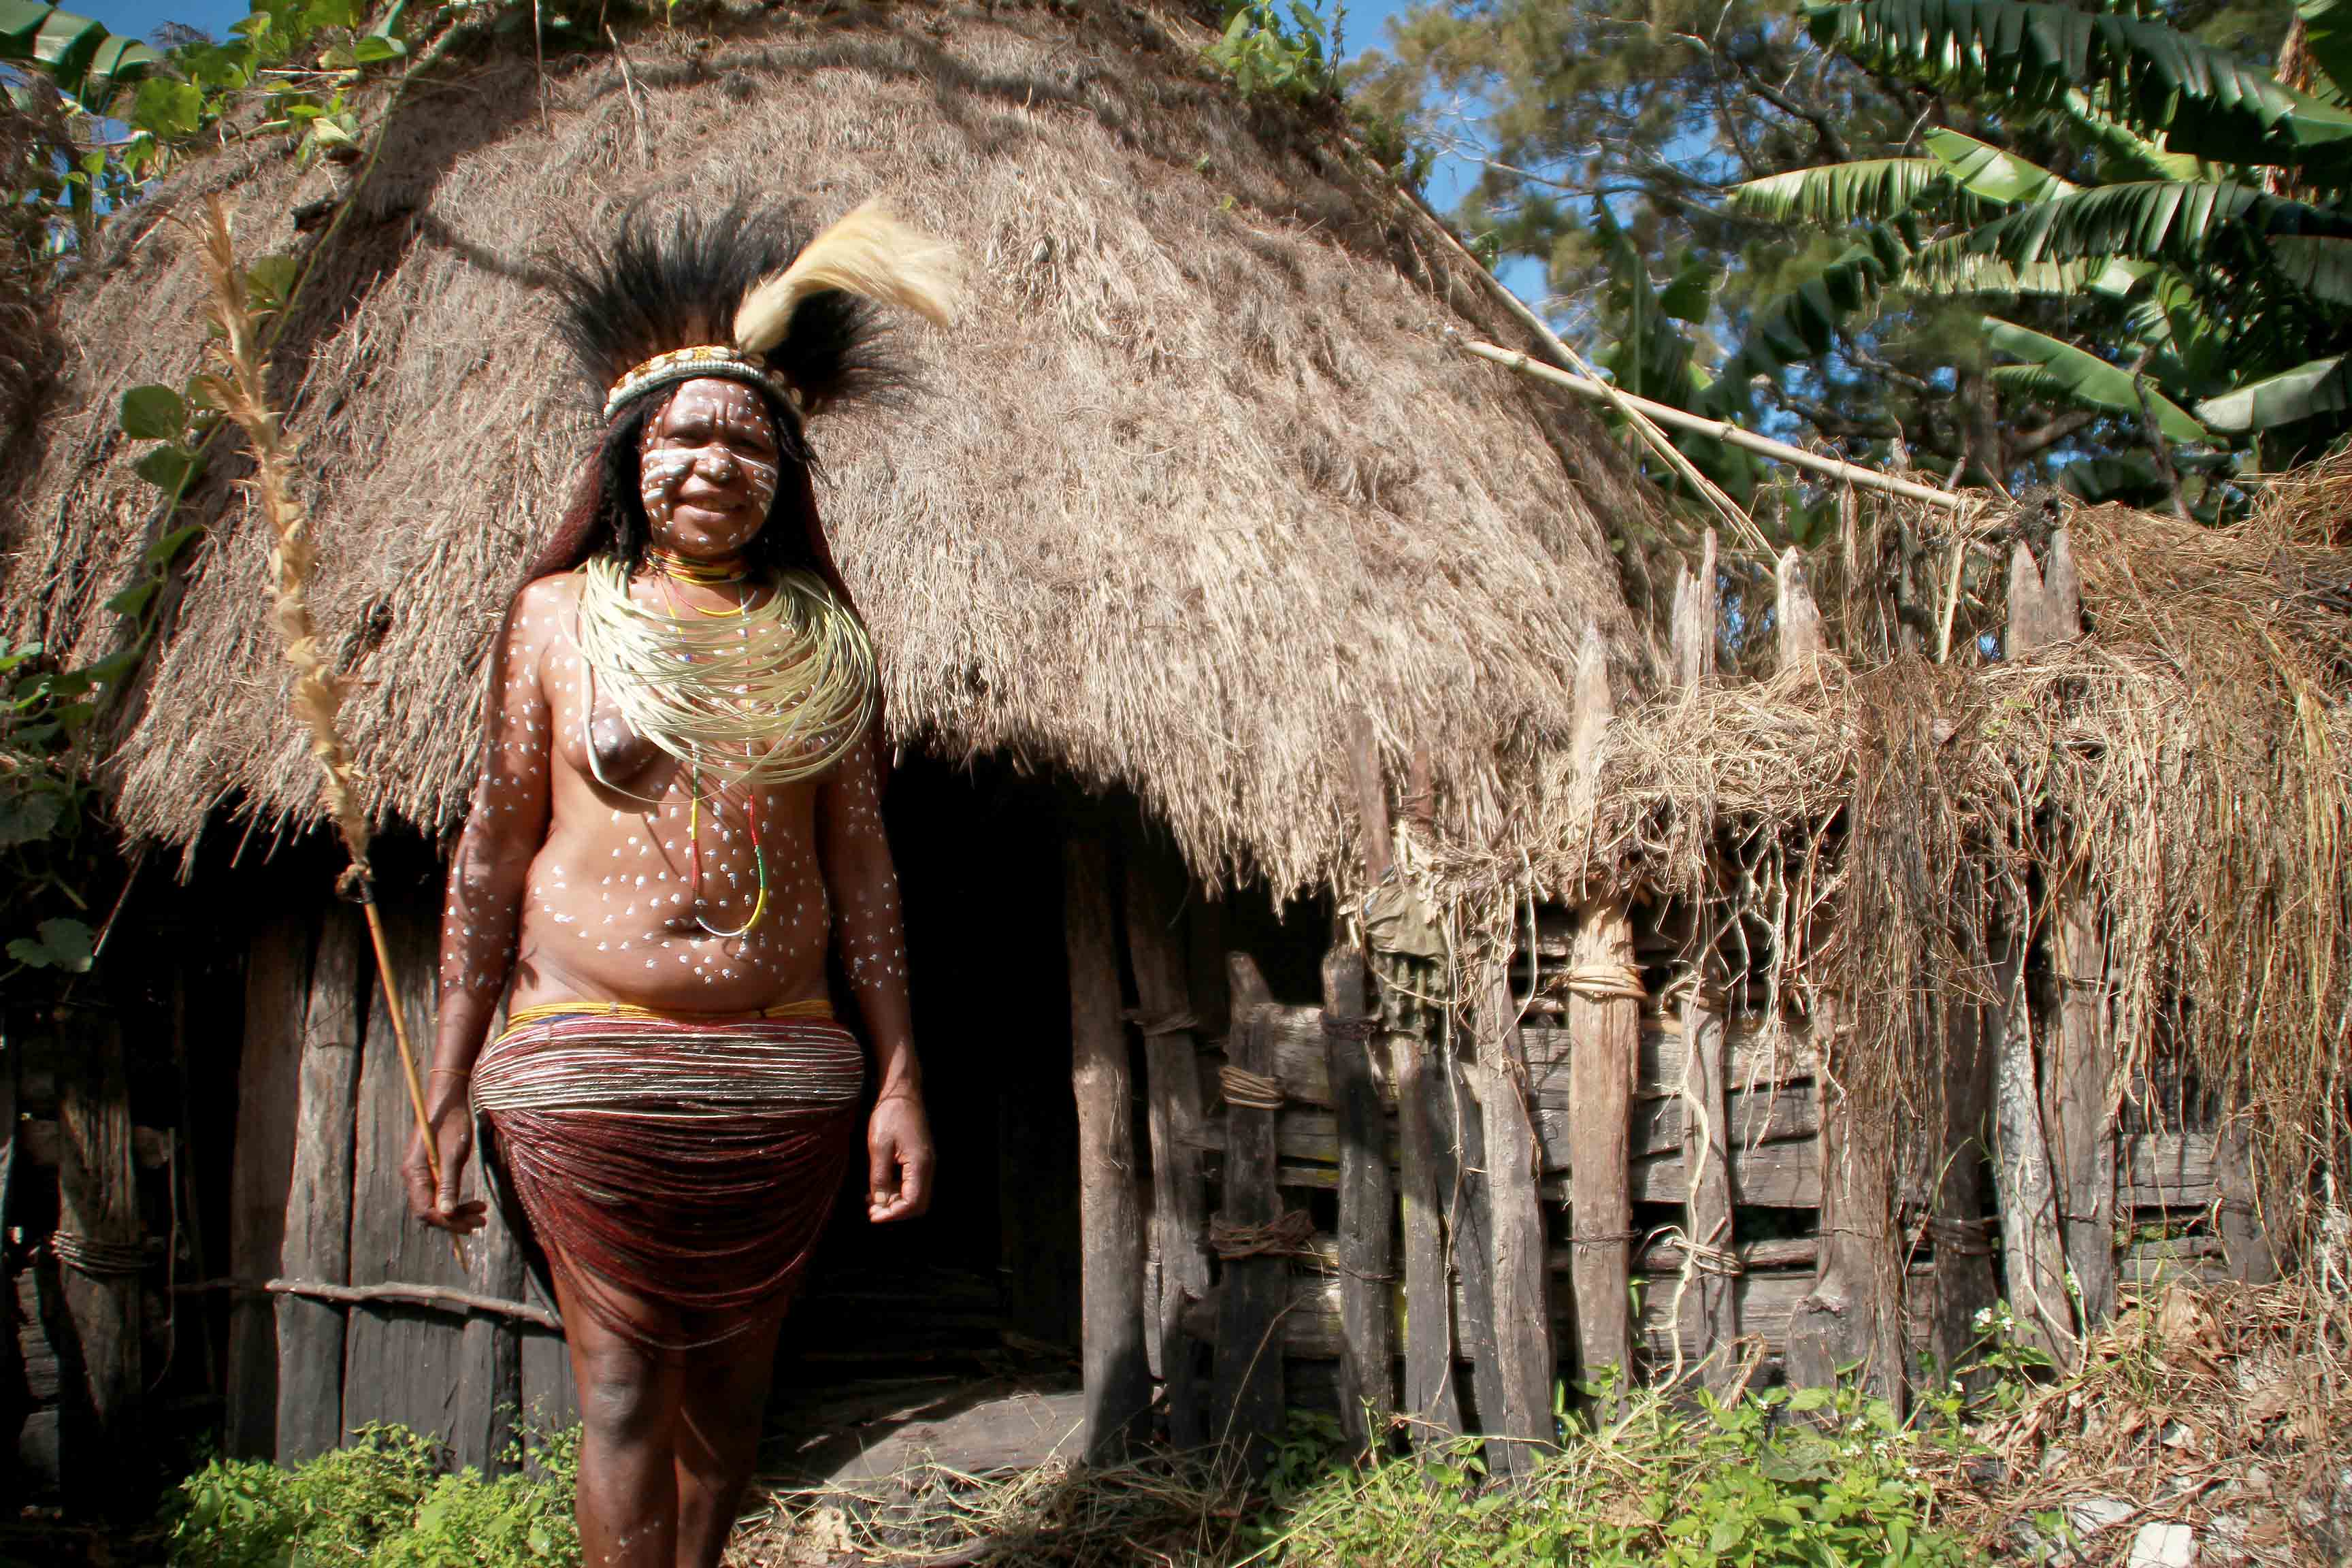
{"x": 1442, "y": 1212}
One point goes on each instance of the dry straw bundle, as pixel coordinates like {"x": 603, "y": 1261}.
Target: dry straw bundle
{"x": 1896, "y": 837}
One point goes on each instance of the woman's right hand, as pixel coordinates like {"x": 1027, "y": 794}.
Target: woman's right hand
{"x": 453, "y": 1141}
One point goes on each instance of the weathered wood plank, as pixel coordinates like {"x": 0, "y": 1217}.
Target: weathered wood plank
{"x": 1429, "y": 1392}
{"x": 2032, "y": 1257}
{"x": 1802, "y": 639}
{"x": 1117, "y": 1370}
{"x": 97, "y": 1207}
{"x": 1710, "y": 1312}
{"x": 1766, "y": 1303}
{"x": 1752, "y": 1062}
{"x": 1853, "y": 1315}
{"x": 1960, "y": 1233}
{"x": 403, "y": 1363}
{"x": 2167, "y": 1170}
{"x": 1173, "y": 1087}
{"x": 1461, "y": 1182}
{"x": 2245, "y": 1243}
{"x": 1693, "y": 623}
{"x": 1248, "y": 1403}
{"x": 1366, "y": 1206}
{"x": 2079, "y": 1103}
{"x": 1770, "y": 1175}
{"x": 1522, "y": 1335}
{"x": 317, "y": 1237}
{"x": 269, "y": 1093}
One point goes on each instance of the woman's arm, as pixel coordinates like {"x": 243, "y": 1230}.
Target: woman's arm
{"x": 872, "y": 943}
{"x": 504, "y": 831}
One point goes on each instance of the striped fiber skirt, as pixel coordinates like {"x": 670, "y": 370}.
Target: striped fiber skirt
{"x": 678, "y": 1170}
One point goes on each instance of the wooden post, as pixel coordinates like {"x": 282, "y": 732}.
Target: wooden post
{"x": 1429, "y": 1392}
{"x": 1696, "y": 611}
{"x": 1367, "y": 1206}
{"x": 2036, "y": 1262}
{"x": 2035, "y": 1258}
{"x": 1710, "y": 1301}
{"x": 2245, "y": 1245}
{"x": 1110, "y": 1221}
{"x": 269, "y": 1088}
{"x": 2078, "y": 1088}
{"x": 1172, "y": 1088}
{"x": 2084, "y": 1071}
{"x": 1521, "y": 1282}
{"x": 318, "y": 1233}
{"x": 1801, "y": 638}
{"x": 1963, "y": 1248}
{"x": 1465, "y": 1182}
{"x": 1604, "y": 1026}
{"x": 1248, "y": 1406}
{"x": 99, "y": 1241}
{"x": 1854, "y": 1315}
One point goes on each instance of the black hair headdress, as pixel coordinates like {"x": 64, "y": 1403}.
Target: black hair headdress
{"x": 748, "y": 296}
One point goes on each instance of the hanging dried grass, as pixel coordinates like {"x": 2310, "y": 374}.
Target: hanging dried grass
{"x": 1870, "y": 834}
{"x": 238, "y": 389}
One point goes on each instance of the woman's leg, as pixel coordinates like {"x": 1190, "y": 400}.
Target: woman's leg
{"x": 725, "y": 1394}
{"x": 629, "y": 1396}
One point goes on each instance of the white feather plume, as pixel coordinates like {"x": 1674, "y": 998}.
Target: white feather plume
{"x": 868, "y": 253}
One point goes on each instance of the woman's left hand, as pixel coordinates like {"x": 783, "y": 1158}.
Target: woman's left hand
{"x": 898, "y": 1159}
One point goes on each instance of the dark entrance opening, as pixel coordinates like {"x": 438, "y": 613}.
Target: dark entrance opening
{"x": 980, "y": 1296}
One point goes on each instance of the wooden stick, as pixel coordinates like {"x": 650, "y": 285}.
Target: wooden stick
{"x": 1722, "y": 430}
{"x": 241, "y": 393}
{"x": 1651, "y": 436}
{"x": 441, "y": 1295}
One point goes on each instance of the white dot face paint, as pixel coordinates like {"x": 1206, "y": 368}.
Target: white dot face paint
{"x": 708, "y": 468}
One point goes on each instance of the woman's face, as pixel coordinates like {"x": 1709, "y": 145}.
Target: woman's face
{"x": 706, "y": 468}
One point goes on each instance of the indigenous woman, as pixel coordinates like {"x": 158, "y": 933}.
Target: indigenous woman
{"x": 675, "y": 857}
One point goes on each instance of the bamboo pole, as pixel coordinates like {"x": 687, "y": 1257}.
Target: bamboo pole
{"x": 1722, "y": 430}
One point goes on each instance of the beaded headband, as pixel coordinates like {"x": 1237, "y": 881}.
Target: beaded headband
{"x": 692, "y": 364}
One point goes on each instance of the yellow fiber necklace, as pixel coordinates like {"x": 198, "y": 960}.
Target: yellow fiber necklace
{"x": 773, "y": 695}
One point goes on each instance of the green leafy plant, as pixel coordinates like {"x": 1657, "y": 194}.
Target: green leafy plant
{"x": 2197, "y": 238}
{"x": 87, "y": 63}
{"x": 386, "y": 1501}
{"x": 1277, "y": 46}
{"x": 1811, "y": 1476}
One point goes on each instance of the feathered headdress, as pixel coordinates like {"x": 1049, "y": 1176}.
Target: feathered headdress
{"x": 746, "y": 295}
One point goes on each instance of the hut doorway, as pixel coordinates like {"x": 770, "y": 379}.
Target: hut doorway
{"x": 982, "y": 1293}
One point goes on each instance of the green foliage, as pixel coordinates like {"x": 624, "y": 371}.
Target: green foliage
{"x": 2032, "y": 57}
{"x": 384, "y": 1502}
{"x": 1277, "y": 47}
{"x": 1816, "y": 1476}
{"x": 89, "y": 64}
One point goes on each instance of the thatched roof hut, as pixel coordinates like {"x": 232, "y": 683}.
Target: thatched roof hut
{"x": 1200, "y": 477}
{"x": 1198, "y": 486}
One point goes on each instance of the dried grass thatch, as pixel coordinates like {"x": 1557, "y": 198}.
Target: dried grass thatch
{"x": 1880, "y": 835}
{"x": 1201, "y": 479}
